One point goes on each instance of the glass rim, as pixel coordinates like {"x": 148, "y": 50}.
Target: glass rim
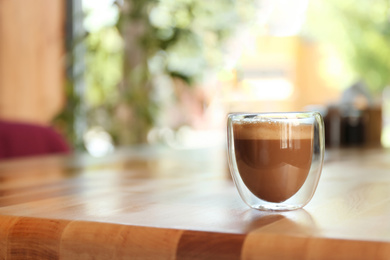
{"x": 276, "y": 115}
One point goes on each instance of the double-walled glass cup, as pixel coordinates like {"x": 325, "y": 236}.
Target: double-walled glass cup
{"x": 276, "y": 158}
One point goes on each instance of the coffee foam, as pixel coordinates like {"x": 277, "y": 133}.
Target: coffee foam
{"x": 272, "y": 130}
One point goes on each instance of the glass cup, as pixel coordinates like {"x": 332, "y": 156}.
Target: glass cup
{"x": 276, "y": 158}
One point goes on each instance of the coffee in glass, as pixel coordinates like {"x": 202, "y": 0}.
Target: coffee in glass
{"x": 276, "y": 158}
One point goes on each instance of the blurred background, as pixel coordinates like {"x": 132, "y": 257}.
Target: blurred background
{"x": 108, "y": 73}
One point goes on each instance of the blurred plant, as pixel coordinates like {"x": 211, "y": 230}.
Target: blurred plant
{"x": 70, "y": 121}
{"x": 360, "y": 32}
{"x": 154, "y": 44}
{"x": 65, "y": 121}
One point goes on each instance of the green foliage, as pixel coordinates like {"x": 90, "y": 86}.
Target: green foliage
{"x": 178, "y": 38}
{"x": 65, "y": 122}
{"x": 190, "y": 33}
{"x": 360, "y": 31}
{"x": 103, "y": 63}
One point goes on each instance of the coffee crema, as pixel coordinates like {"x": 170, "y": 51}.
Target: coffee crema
{"x": 273, "y": 158}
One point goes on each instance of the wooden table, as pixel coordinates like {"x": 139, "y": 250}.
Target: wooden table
{"x": 158, "y": 203}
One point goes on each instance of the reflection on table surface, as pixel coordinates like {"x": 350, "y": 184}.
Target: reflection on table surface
{"x": 183, "y": 204}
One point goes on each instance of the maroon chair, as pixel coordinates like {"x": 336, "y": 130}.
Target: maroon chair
{"x": 23, "y": 139}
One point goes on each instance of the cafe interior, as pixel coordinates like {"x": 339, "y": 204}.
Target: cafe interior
{"x": 115, "y": 141}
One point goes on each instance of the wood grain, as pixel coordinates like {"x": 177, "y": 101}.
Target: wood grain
{"x": 208, "y": 245}
{"x": 31, "y": 238}
{"x": 158, "y": 203}
{"x": 90, "y": 240}
{"x": 6, "y": 223}
{"x": 275, "y": 247}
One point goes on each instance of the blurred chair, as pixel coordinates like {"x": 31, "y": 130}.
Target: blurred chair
{"x": 23, "y": 139}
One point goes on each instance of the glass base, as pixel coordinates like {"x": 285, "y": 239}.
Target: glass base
{"x": 276, "y": 207}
